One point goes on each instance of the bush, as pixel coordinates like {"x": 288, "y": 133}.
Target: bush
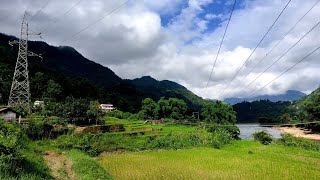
{"x": 233, "y": 130}
{"x": 292, "y": 141}
{"x": 263, "y": 137}
{"x": 38, "y": 129}
{"x": 10, "y": 143}
{"x": 220, "y": 138}
{"x": 17, "y": 159}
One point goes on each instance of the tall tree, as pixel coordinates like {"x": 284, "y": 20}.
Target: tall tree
{"x": 219, "y": 112}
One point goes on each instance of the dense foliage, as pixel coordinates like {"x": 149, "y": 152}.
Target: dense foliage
{"x": 172, "y": 108}
{"x": 308, "y": 110}
{"x": 263, "y": 111}
{"x": 17, "y": 158}
{"x": 263, "y": 137}
{"x": 218, "y": 112}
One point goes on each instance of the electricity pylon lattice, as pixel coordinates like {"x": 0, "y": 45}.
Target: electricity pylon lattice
{"x": 20, "y": 89}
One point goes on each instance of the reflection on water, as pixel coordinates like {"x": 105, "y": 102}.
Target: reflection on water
{"x": 246, "y": 130}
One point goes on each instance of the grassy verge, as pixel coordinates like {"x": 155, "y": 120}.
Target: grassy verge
{"x": 241, "y": 160}
{"x": 86, "y": 167}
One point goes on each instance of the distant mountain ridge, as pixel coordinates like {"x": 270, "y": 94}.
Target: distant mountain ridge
{"x": 290, "y": 95}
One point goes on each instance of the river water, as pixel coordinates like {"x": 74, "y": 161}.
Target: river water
{"x": 246, "y": 130}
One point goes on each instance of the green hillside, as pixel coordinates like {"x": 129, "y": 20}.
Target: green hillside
{"x": 82, "y": 78}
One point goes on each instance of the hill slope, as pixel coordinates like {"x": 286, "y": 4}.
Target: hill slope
{"x": 83, "y": 78}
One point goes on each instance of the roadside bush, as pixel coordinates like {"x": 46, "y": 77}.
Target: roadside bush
{"x": 263, "y": 137}
{"x": 292, "y": 141}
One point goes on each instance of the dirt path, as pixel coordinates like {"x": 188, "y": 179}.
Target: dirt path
{"x": 59, "y": 165}
{"x": 300, "y": 133}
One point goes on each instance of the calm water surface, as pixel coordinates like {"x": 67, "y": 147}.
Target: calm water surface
{"x": 246, "y": 130}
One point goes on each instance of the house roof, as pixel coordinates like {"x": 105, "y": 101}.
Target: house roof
{"x": 7, "y": 109}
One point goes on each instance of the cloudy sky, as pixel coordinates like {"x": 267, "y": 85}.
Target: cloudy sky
{"x": 179, "y": 39}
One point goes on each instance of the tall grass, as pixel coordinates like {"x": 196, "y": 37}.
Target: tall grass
{"x": 87, "y": 168}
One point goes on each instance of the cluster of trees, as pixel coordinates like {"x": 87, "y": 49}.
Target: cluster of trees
{"x": 73, "y": 111}
{"x": 165, "y": 108}
{"x": 263, "y": 111}
{"x": 173, "y": 108}
{"x": 308, "y": 110}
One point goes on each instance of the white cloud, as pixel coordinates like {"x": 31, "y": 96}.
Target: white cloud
{"x": 133, "y": 42}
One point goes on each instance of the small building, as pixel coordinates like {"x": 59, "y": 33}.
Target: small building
{"x": 8, "y": 114}
{"x": 107, "y": 107}
{"x": 38, "y": 104}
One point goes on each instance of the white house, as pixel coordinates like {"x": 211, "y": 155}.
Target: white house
{"x": 8, "y": 114}
{"x": 38, "y": 103}
{"x": 107, "y": 107}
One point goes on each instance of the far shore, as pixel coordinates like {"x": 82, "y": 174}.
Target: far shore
{"x": 300, "y": 132}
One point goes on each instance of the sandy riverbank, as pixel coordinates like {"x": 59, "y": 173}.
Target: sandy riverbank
{"x": 299, "y": 133}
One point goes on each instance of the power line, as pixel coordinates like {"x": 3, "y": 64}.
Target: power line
{"x": 256, "y": 47}
{"x": 95, "y": 22}
{"x": 59, "y": 18}
{"x": 286, "y": 70}
{"x": 39, "y": 11}
{"x": 283, "y": 54}
{"x": 225, "y": 31}
{"x": 278, "y": 43}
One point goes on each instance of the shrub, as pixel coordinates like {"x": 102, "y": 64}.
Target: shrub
{"x": 220, "y": 138}
{"x": 10, "y": 143}
{"x": 292, "y": 141}
{"x": 38, "y": 129}
{"x": 233, "y": 130}
{"x": 263, "y": 137}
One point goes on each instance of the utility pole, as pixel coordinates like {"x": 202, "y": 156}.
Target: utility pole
{"x": 197, "y": 113}
{"x": 20, "y": 89}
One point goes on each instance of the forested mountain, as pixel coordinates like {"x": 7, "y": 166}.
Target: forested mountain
{"x": 263, "y": 110}
{"x": 290, "y": 95}
{"x": 79, "y": 77}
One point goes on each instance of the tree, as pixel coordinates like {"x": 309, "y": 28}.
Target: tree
{"x": 75, "y": 110}
{"x": 148, "y": 109}
{"x": 219, "y": 112}
{"x": 178, "y": 108}
{"x": 286, "y": 118}
{"x": 53, "y": 91}
{"x": 94, "y": 112}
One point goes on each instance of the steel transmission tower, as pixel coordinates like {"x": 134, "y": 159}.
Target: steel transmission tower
{"x": 20, "y": 88}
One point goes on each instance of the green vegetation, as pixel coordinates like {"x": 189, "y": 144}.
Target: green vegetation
{"x": 263, "y": 137}
{"x": 85, "y": 167}
{"x": 66, "y": 73}
{"x": 292, "y": 141}
{"x": 308, "y": 110}
{"x": 240, "y": 160}
{"x": 18, "y": 159}
{"x": 263, "y": 111}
